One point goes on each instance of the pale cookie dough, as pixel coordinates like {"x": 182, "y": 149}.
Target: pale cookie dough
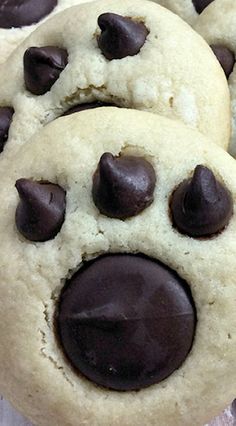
{"x": 34, "y": 374}
{"x": 184, "y": 8}
{"x": 217, "y": 24}
{"x": 10, "y": 38}
{"x": 174, "y": 74}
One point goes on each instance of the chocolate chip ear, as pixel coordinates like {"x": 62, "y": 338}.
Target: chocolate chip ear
{"x": 200, "y": 5}
{"x": 123, "y": 186}
{"x": 41, "y": 210}
{"x": 201, "y": 206}
{"x": 42, "y": 67}
{"x": 126, "y": 321}
{"x": 120, "y": 36}
{"x": 225, "y": 57}
{"x": 15, "y": 13}
{"x": 6, "y": 114}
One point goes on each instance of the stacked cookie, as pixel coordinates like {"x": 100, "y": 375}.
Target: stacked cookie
{"x": 115, "y": 223}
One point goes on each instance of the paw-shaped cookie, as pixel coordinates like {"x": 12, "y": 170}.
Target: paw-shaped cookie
{"x": 217, "y": 25}
{"x": 111, "y": 312}
{"x": 155, "y": 63}
{"x": 189, "y": 10}
{"x": 19, "y": 18}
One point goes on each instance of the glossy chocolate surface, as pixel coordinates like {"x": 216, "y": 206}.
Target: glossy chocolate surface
{"x": 200, "y": 5}
{"x": 126, "y": 321}
{"x": 120, "y": 36}
{"x": 42, "y": 67}
{"x": 225, "y": 57}
{"x": 123, "y": 186}
{"x": 6, "y": 114}
{"x": 41, "y": 210}
{"x": 18, "y": 13}
{"x": 201, "y": 206}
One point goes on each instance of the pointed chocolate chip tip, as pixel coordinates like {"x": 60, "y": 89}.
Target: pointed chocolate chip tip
{"x": 123, "y": 186}
{"x": 201, "y": 206}
{"x": 41, "y": 209}
{"x": 120, "y": 36}
{"x": 42, "y": 67}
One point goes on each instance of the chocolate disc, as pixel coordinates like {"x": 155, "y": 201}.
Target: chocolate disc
{"x": 42, "y": 67}
{"x": 201, "y": 206}
{"x": 200, "y": 5}
{"x": 126, "y": 321}
{"x": 41, "y": 210}
{"x": 225, "y": 57}
{"x": 18, "y": 13}
{"x": 6, "y": 114}
{"x": 82, "y": 107}
{"x": 123, "y": 186}
{"x": 120, "y": 36}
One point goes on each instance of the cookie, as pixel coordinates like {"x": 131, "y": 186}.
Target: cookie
{"x": 217, "y": 26}
{"x": 156, "y": 63}
{"x": 189, "y": 10}
{"x": 112, "y": 312}
{"x": 19, "y": 19}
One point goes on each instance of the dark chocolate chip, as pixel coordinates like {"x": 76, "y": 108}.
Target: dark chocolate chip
{"x": 225, "y": 57}
{"x": 201, "y": 206}
{"x": 41, "y": 210}
{"x": 42, "y": 67}
{"x": 126, "y": 321}
{"x": 18, "y": 13}
{"x": 123, "y": 186}
{"x": 200, "y": 5}
{"x": 6, "y": 114}
{"x": 120, "y": 36}
{"x": 82, "y": 107}
{"x": 233, "y": 408}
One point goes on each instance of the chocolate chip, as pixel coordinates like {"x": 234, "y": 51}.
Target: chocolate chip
{"x": 15, "y": 13}
{"x": 123, "y": 186}
{"x": 225, "y": 57}
{"x": 126, "y": 321}
{"x": 6, "y": 114}
{"x": 41, "y": 210}
{"x": 42, "y": 67}
{"x": 82, "y": 107}
{"x": 200, "y": 5}
{"x": 201, "y": 206}
{"x": 233, "y": 408}
{"x": 120, "y": 36}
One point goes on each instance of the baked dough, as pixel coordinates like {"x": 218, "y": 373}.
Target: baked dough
{"x": 34, "y": 374}
{"x": 175, "y": 73}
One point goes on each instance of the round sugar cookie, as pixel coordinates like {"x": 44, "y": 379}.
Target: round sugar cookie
{"x": 19, "y": 18}
{"x": 217, "y": 25}
{"x": 189, "y": 10}
{"x": 111, "y": 313}
{"x": 155, "y": 63}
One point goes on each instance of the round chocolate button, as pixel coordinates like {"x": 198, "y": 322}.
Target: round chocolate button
{"x": 126, "y": 321}
{"x": 15, "y": 13}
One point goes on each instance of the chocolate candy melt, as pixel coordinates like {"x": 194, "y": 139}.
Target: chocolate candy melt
{"x": 126, "y": 321}
{"x": 41, "y": 210}
{"x": 6, "y": 114}
{"x": 225, "y": 57}
{"x": 201, "y": 206}
{"x": 233, "y": 408}
{"x": 18, "y": 13}
{"x": 200, "y": 5}
{"x": 42, "y": 67}
{"x": 120, "y": 36}
{"x": 82, "y": 107}
{"x": 123, "y": 186}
